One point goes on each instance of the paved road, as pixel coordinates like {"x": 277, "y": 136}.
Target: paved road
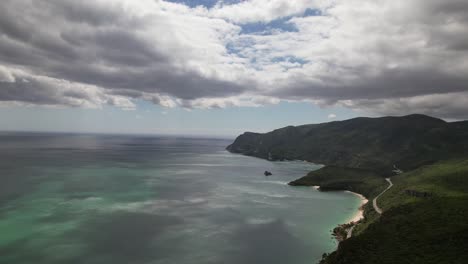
{"x": 374, "y": 202}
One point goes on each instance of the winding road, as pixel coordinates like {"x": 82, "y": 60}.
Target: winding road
{"x": 374, "y": 202}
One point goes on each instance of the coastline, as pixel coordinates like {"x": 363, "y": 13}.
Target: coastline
{"x": 345, "y": 230}
{"x": 360, "y": 213}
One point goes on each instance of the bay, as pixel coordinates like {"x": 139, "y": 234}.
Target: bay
{"x": 78, "y": 198}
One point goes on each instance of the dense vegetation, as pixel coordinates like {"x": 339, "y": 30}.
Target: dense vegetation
{"x": 331, "y": 178}
{"x": 368, "y": 143}
{"x": 424, "y": 213}
{"x": 414, "y": 229}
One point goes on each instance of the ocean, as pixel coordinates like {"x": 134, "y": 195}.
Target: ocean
{"x": 83, "y": 198}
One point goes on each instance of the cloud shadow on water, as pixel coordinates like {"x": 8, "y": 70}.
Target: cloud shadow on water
{"x": 128, "y": 237}
{"x": 266, "y": 243}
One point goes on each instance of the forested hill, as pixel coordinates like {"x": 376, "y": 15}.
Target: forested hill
{"x": 368, "y": 143}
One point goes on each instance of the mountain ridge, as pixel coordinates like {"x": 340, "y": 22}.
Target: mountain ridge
{"x": 363, "y": 142}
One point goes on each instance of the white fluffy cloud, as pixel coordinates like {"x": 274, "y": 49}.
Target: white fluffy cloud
{"x": 385, "y": 57}
{"x": 263, "y": 10}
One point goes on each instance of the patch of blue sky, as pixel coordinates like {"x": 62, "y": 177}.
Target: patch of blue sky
{"x": 289, "y": 62}
{"x": 261, "y": 28}
{"x": 205, "y": 3}
{"x": 312, "y": 12}
{"x": 291, "y": 59}
{"x": 282, "y": 24}
{"x": 238, "y": 46}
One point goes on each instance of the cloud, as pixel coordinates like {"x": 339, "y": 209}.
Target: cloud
{"x": 117, "y": 46}
{"x": 21, "y": 86}
{"x": 378, "y": 56}
{"x": 452, "y": 106}
{"x": 237, "y": 101}
{"x": 331, "y": 116}
{"x": 262, "y": 10}
{"x": 5, "y": 75}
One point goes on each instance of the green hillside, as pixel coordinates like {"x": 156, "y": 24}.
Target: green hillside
{"x": 368, "y": 143}
{"x": 331, "y": 178}
{"x": 425, "y": 213}
{"x": 424, "y": 220}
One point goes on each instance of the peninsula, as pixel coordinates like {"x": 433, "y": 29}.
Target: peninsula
{"x": 413, "y": 168}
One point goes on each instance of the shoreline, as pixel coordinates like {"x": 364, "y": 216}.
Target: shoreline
{"x": 345, "y": 230}
{"x": 360, "y": 213}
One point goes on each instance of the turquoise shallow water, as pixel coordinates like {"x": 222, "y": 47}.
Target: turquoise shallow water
{"x": 134, "y": 199}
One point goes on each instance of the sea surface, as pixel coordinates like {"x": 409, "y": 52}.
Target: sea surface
{"x": 68, "y": 198}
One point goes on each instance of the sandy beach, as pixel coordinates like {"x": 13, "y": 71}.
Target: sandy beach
{"x": 360, "y": 213}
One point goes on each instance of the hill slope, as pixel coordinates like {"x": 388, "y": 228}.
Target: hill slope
{"x": 424, "y": 213}
{"x": 367, "y": 143}
{"x": 332, "y": 178}
{"x": 416, "y": 228}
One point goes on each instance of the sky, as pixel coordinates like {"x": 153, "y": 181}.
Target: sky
{"x": 209, "y": 67}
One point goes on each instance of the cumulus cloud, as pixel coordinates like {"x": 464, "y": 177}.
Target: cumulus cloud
{"x": 331, "y": 116}
{"x": 147, "y": 50}
{"x": 384, "y": 57}
{"x": 33, "y": 89}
